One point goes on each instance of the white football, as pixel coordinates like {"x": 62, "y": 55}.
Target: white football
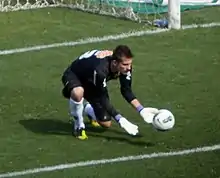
{"x": 164, "y": 120}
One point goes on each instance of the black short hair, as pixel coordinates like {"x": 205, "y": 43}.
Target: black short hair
{"x": 121, "y": 51}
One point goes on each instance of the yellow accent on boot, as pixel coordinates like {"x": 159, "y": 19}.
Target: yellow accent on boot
{"x": 81, "y": 134}
{"x": 95, "y": 123}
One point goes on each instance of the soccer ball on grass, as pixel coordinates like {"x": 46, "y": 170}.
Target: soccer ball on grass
{"x": 164, "y": 120}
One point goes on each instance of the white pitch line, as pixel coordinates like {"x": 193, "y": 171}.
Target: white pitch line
{"x": 113, "y": 160}
{"x": 102, "y": 39}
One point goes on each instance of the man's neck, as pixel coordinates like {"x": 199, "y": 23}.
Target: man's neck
{"x": 114, "y": 71}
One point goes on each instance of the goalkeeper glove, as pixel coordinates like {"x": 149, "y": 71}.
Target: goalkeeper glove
{"x": 147, "y": 113}
{"x": 130, "y": 128}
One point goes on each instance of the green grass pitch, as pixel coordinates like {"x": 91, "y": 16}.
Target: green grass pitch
{"x": 177, "y": 70}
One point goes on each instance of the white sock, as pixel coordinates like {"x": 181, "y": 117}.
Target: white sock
{"x": 76, "y": 110}
{"x": 89, "y": 111}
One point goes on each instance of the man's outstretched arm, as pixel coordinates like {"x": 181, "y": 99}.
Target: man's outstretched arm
{"x": 126, "y": 90}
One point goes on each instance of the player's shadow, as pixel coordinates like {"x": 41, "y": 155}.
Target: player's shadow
{"x": 58, "y": 127}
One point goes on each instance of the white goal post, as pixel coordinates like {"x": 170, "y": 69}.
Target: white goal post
{"x": 174, "y": 14}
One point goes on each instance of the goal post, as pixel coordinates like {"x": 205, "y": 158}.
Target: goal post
{"x": 160, "y": 13}
{"x": 174, "y": 14}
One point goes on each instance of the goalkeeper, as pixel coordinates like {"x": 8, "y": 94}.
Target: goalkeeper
{"x": 86, "y": 78}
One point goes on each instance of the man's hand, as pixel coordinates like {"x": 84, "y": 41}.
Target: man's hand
{"x": 148, "y": 114}
{"x": 128, "y": 126}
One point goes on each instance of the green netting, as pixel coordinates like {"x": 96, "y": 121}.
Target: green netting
{"x": 137, "y": 10}
{"x": 155, "y": 6}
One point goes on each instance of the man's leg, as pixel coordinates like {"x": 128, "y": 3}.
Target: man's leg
{"x": 89, "y": 111}
{"x": 102, "y": 117}
{"x": 95, "y": 109}
{"x": 77, "y": 107}
{"x": 74, "y": 91}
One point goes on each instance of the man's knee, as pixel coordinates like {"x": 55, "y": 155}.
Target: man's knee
{"x": 105, "y": 124}
{"x": 77, "y": 93}
{"x": 105, "y": 120}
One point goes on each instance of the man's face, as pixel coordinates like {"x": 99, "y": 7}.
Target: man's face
{"x": 124, "y": 65}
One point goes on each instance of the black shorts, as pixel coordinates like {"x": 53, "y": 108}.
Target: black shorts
{"x": 70, "y": 81}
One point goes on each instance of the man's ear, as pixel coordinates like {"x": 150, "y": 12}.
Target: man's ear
{"x": 114, "y": 62}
